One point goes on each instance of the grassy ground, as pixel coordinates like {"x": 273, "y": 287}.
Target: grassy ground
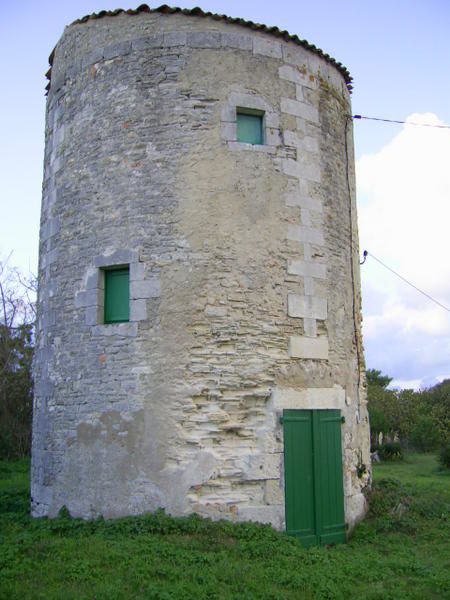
{"x": 402, "y": 550}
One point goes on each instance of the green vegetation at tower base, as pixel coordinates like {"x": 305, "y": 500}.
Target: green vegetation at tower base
{"x": 400, "y": 551}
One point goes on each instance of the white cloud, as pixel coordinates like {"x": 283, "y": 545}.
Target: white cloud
{"x": 406, "y": 384}
{"x": 404, "y": 219}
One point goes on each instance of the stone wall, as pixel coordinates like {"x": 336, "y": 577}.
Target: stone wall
{"x": 243, "y": 264}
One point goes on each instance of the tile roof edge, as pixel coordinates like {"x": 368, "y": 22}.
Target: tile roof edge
{"x": 198, "y": 12}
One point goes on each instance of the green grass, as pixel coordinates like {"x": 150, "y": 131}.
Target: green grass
{"x": 402, "y": 550}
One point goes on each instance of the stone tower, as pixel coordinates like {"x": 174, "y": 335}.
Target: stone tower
{"x": 198, "y": 278}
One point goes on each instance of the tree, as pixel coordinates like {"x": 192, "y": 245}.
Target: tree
{"x": 376, "y": 379}
{"x": 380, "y": 402}
{"x": 17, "y": 315}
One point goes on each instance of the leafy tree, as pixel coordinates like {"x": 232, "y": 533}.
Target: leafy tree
{"x": 16, "y": 353}
{"x": 376, "y": 379}
{"x": 437, "y": 404}
{"x": 380, "y": 404}
{"x": 420, "y": 418}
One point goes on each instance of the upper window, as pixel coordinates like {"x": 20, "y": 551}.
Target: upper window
{"x": 117, "y": 295}
{"x": 250, "y": 126}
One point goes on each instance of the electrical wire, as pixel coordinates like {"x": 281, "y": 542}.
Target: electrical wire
{"x": 366, "y": 253}
{"x": 400, "y": 122}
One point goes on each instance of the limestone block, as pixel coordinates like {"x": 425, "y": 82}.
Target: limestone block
{"x": 291, "y": 138}
{"x": 298, "y": 233}
{"x": 50, "y": 228}
{"x": 272, "y": 137}
{"x": 216, "y": 311}
{"x": 355, "y": 508}
{"x": 149, "y": 41}
{"x": 117, "y": 257}
{"x": 175, "y": 38}
{"x": 249, "y": 101}
{"x": 307, "y": 269}
{"x": 137, "y": 271}
{"x": 204, "y": 39}
{"x": 260, "y": 466}
{"x": 307, "y": 306}
{"x": 91, "y": 315}
{"x": 300, "y": 77}
{"x": 236, "y": 40}
{"x": 310, "y": 327}
{"x": 95, "y": 56}
{"x": 311, "y": 144}
{"x": 294, "y": 168}
{"x": 228, "y": 131}
{"x": 305, "y": 347}
{"x": 300, "y": 109}
{"x": 86, "y": 298}
{"x": 274, "y": 515}
{"x": 290, "y": 74}
{"x": 150, "y": 288}
{"x": 228, "y": 113}
{"x": 309, "y": 398}
{"x": 138, "y": 310}
{"x": 117, "y": 49}
{"x": 93, "y": 279}
{"x": 75, "y": 68}
{"x": 242, "y": 147}
{"x": 305, "y": 217}
{"x": 272, "y": 119}
{"x": 49, "y": 257}
{"x": 266, "y": 47}
{"x": 115, "y": 329}
{"x": 274, "y": 492}
{"x": 297, "y": 199}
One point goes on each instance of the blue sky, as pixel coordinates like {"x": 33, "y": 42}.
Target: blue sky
{"x": 399, "y": 55}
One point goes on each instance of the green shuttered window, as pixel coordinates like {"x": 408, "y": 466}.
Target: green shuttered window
{"x": 249, "y": 126}
{"x": 117, "y": 295}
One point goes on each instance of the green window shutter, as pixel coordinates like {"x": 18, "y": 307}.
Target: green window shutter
{"x": 313, "y": 476}
{"x": 329, "y": 476}
{"x": 117, "y": 295}
{"x": 299, "y": 475}
{"x": 249, "y": 128}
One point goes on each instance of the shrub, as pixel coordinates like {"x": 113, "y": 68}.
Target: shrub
{"x": 390, "y": 451}
{"x": 444, "y": 454}
{"x": 390, "y": 505}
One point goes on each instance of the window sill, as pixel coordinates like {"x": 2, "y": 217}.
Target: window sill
{"x": 125, "y": 329}
{"x": 244, "y": 146}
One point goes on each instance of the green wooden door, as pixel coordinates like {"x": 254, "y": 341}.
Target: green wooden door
{"x": 313, "y": 476}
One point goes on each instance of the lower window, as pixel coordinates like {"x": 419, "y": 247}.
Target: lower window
{"x": 117, "y": 295}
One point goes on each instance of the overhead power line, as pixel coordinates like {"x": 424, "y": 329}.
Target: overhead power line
{"x": 400, "y": 122}
{"x": 366, "y": 254}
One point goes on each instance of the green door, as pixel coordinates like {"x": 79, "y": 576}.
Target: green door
{"x": 313, "y": 476}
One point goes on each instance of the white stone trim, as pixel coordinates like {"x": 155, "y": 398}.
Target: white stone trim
{"x": 309, "y": 398}
{"x": 310, "y": 307}
{"x": 91, "y": 296}
{"x": 228, "y": 123}
{"x": 308, "y": 347}
{"x": 307, "y": 269}
{"x": 298, "y": 233}
{"x": 298, "y": 76}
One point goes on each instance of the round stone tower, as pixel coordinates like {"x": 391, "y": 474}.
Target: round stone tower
{"x": 198, "y": 336}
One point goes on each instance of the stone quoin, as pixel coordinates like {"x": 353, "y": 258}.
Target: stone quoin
{"x": 241, "y": 301}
